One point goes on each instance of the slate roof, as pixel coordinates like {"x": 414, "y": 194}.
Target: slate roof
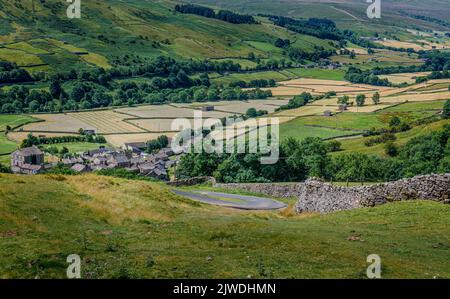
{"x": 31, "y": 151}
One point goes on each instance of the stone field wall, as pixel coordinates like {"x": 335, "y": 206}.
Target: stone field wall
{"x": 317, "y": 196}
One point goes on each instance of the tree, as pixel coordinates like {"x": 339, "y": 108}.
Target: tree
{"x": 357, "y": 167}
{"x": 251, "y": 112}
{"x": 64, "y": 150}
{"x": 446, "y": 112}
{"x": 360, "y": 100}
{"x": 344, "y": 100}
{"x": 391, "y": 149}
{"x": 395, "y": 122}
{"x": 55, "y": 89}
{"x": 376, "y": 98}
{"x": 334, "y": 146}
{"x": 200, "y": 95}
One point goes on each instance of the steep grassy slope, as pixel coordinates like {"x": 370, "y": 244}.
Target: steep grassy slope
{"x": 124, "y": 229}
{"x": 44, "y": 38}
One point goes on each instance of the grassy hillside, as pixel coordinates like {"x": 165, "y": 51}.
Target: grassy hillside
{"x": 124, "y": 32}
{"x": 125, "y": 229}
{"x": 350, "y": 13}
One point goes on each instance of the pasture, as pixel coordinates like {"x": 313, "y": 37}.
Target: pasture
{"x": 357, "y": 144}
{"x": 417, "y": 106}
{"x": 163, "y": 235}
{"x": 296, "y": 129}
{"x": 76, "y": 147}
{"x": 6, "y": 146}
{"x": 14, "y": 121}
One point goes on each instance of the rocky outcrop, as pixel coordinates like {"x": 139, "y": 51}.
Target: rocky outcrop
{"x": 316, "y": 196}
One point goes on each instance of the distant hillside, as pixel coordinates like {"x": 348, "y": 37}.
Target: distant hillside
{"x": 127, "y": 32}
{"x": 351, "y": 13}
{"x": 136, "y": 229}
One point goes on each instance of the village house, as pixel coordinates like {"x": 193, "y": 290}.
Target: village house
{"x": 27, "y": 161}
{"x": 31, "y": 161}
{"x": 80, "y": 168}
{"x": 119, "y": 160}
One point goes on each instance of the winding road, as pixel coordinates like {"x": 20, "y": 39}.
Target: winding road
{"x": 232, "y": 200}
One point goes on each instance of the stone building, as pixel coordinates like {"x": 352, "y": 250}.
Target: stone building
{"x": 27, "y": 160}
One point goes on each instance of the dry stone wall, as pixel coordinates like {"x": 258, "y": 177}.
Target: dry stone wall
{"x": 316, "y": 196}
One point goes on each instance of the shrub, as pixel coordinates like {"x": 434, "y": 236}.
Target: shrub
{"x": 334, "y": 146}
{"x": 391, "y": 149}
{"x": 446, "y": 112}
{"x": 380, "y": 139}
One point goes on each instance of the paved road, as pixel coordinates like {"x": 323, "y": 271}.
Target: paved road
{"x": 235, "y": 201}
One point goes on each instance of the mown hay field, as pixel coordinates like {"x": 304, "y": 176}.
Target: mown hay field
{"x": 416, "y": 97}
{"x": 304, "y": 111}
{"x": 318, "y": 86}
{"x": 63, "y": 123}
{"x": 164, "y": 111}
{"x": 404, "y": 77}
{"x": 118, "y": 140}
{"x": 106, "y": 122}
{"x": 157, "y": 125}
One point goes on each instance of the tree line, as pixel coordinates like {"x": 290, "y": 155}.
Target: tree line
{"x": 84, "y": 94}
{"x": 301, "y": 159}
{"x": 11, "y": 73}
{"x": 224, "y": 15}
{"x": 34, "y": 140}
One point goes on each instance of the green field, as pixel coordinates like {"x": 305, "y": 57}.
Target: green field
{"x": 417, "y": 106}
{"x": 357, "y": 144}
{"x": 14, "y": 120}
{"x": 5, "y": 160}
{"x": 348, "y": 121}
{"x": 267, "y": 75}
{"x": 6, "y": 146}
{"x": 76, "y": 147}
{"x": 131, "y": 229}
{"x": 318, "y": 73}
{"x": 297, "y": 130}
